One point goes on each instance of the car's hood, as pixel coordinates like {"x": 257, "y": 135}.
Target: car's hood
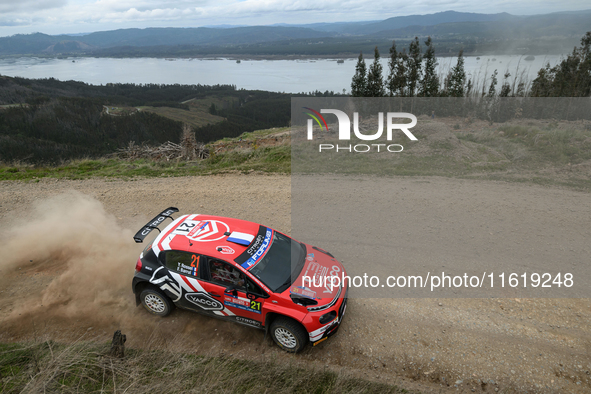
{"x": 314, "y": 281}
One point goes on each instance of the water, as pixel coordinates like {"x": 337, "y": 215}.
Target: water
{"x": 290, "y": 76}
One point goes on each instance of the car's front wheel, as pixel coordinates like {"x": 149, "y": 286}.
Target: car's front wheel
{"x": 288, "y": 334}
{"x": 156, "y": 302}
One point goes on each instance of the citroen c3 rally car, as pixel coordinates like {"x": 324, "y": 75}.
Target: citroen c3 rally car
{"x": 241, "y": 271}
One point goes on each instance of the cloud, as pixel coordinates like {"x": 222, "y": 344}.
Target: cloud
{"x": 11, "y": 6}
{"x": 93, "y": 15}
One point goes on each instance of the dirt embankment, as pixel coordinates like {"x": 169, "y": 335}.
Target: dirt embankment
{"x": 69, "y": 256}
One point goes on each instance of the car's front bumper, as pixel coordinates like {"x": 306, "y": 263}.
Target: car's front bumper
{"x": 330, "y": 329}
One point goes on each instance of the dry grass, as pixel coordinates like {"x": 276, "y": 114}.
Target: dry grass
{"x": 195, "y": 117}
{"x": 86, "y": 367}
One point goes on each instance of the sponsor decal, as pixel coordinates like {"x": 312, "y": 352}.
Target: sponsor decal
{"x": 310, "y": 257}
{"x": 260, "y": 252}
{"x": 204, "y": 301}
{"x": 245, "y": 305}
{"x": 156, "y": 222}
{"x": 249, "y": 322}
{"x": 202, "y": 230}
{"x": 255, "y": 245}
{"x": 225, "y": 250}
{"x": 236, "y": 300}
{"x": 303, "y": 291}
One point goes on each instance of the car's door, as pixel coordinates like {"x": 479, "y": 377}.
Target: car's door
{"x": 242, "y": 298}
{"x": 186, "y": 269}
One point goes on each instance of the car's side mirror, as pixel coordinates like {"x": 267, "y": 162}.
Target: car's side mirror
{"x": 232, "y": 289}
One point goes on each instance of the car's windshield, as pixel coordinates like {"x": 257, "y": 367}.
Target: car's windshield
{"x": 281, "y": 264}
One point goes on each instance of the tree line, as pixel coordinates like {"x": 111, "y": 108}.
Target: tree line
{"x": 413, "y": 74}
{"x": 49, "y": 121}
{"x": 67, "y": 128}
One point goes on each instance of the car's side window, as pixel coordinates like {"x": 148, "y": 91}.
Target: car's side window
{"x": 224, "y": 274}
{"x": 252, "y": 287}
{"x": 182, "y": 262}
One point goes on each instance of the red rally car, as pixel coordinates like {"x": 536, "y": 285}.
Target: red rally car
{"x": 244, "y": 272}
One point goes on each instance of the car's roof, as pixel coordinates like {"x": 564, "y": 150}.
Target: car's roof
{"x": 215, "y": 236}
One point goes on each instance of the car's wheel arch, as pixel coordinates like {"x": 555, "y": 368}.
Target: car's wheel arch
{"x": 143, "y": 285}
{"x": 271, "y": 316}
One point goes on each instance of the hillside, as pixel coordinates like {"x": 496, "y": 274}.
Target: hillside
{"x": 450, "y": 30}
{"x": 48, "y": 121}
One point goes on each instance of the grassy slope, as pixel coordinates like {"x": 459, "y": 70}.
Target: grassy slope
{"x": 532, "y": 152}
{"x": 85, "y": 367}
{"x": 198, "y": 114}
{"x": 272, "y": 159}
{"x": 539, "y": 152}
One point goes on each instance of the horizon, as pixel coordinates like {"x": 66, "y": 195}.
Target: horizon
{"x": 81, "y": 17}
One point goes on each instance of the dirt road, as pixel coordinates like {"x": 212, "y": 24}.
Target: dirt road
{"x": 69, "y": 256}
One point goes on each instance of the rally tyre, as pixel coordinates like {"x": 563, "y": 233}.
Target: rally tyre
{"x": 156, "y": 302}
{"x": 288, "y": 334}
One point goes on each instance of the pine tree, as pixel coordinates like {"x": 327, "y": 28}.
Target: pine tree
{"x": 429, "y": 86}
{"x": 375, "y": 83}
{"x": 393, "y": 66}
{"x": 414, "y": 63}
{"x": 457, "y": 80}
{"x": 400, "y": 81}
{"x": 359, "y": 82}
{"x": 570, "y": 78}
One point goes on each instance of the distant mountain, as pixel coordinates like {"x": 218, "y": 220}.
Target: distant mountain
{"x": 223, "y": 26}
{"x": 451, "y": 30}
{"x": 537, "y": 26}
{"x": 399, "y": 22}
{"x": 43, "y": 43}
{"x": 336, "y": 27}
{"x": 438, "y": 18}
{"x": 197, "y": 36}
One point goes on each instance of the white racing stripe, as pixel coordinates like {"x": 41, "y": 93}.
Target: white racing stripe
{"x": 317, "y": 334}
{"x": 166, "y": 241}
{"x": 161, "y": 235}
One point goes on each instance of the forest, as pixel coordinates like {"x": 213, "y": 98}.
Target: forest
{"x": 49, "y": 121}
{"x": 413, "y": 74}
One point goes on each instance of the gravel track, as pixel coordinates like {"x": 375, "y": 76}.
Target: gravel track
{"x": 431, "y": 345}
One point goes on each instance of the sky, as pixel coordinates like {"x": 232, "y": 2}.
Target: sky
{"x": 84, "y": 16}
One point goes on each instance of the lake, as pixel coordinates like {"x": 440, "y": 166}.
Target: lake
{"x": 290, "y": 76}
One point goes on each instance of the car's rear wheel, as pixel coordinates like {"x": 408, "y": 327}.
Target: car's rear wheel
{"x": 288, "y": 334}
{"x": 156, "y": 302}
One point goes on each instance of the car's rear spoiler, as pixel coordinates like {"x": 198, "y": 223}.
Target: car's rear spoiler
{"x": 154, "y": 223}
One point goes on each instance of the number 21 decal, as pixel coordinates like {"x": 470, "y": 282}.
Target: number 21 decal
{"x": 255, "y": 305}
{"x": 187, "y": 226}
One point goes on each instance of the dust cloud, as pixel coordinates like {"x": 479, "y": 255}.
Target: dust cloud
{"x": 66, "y": 274}
{"x": 83, "y": 258}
